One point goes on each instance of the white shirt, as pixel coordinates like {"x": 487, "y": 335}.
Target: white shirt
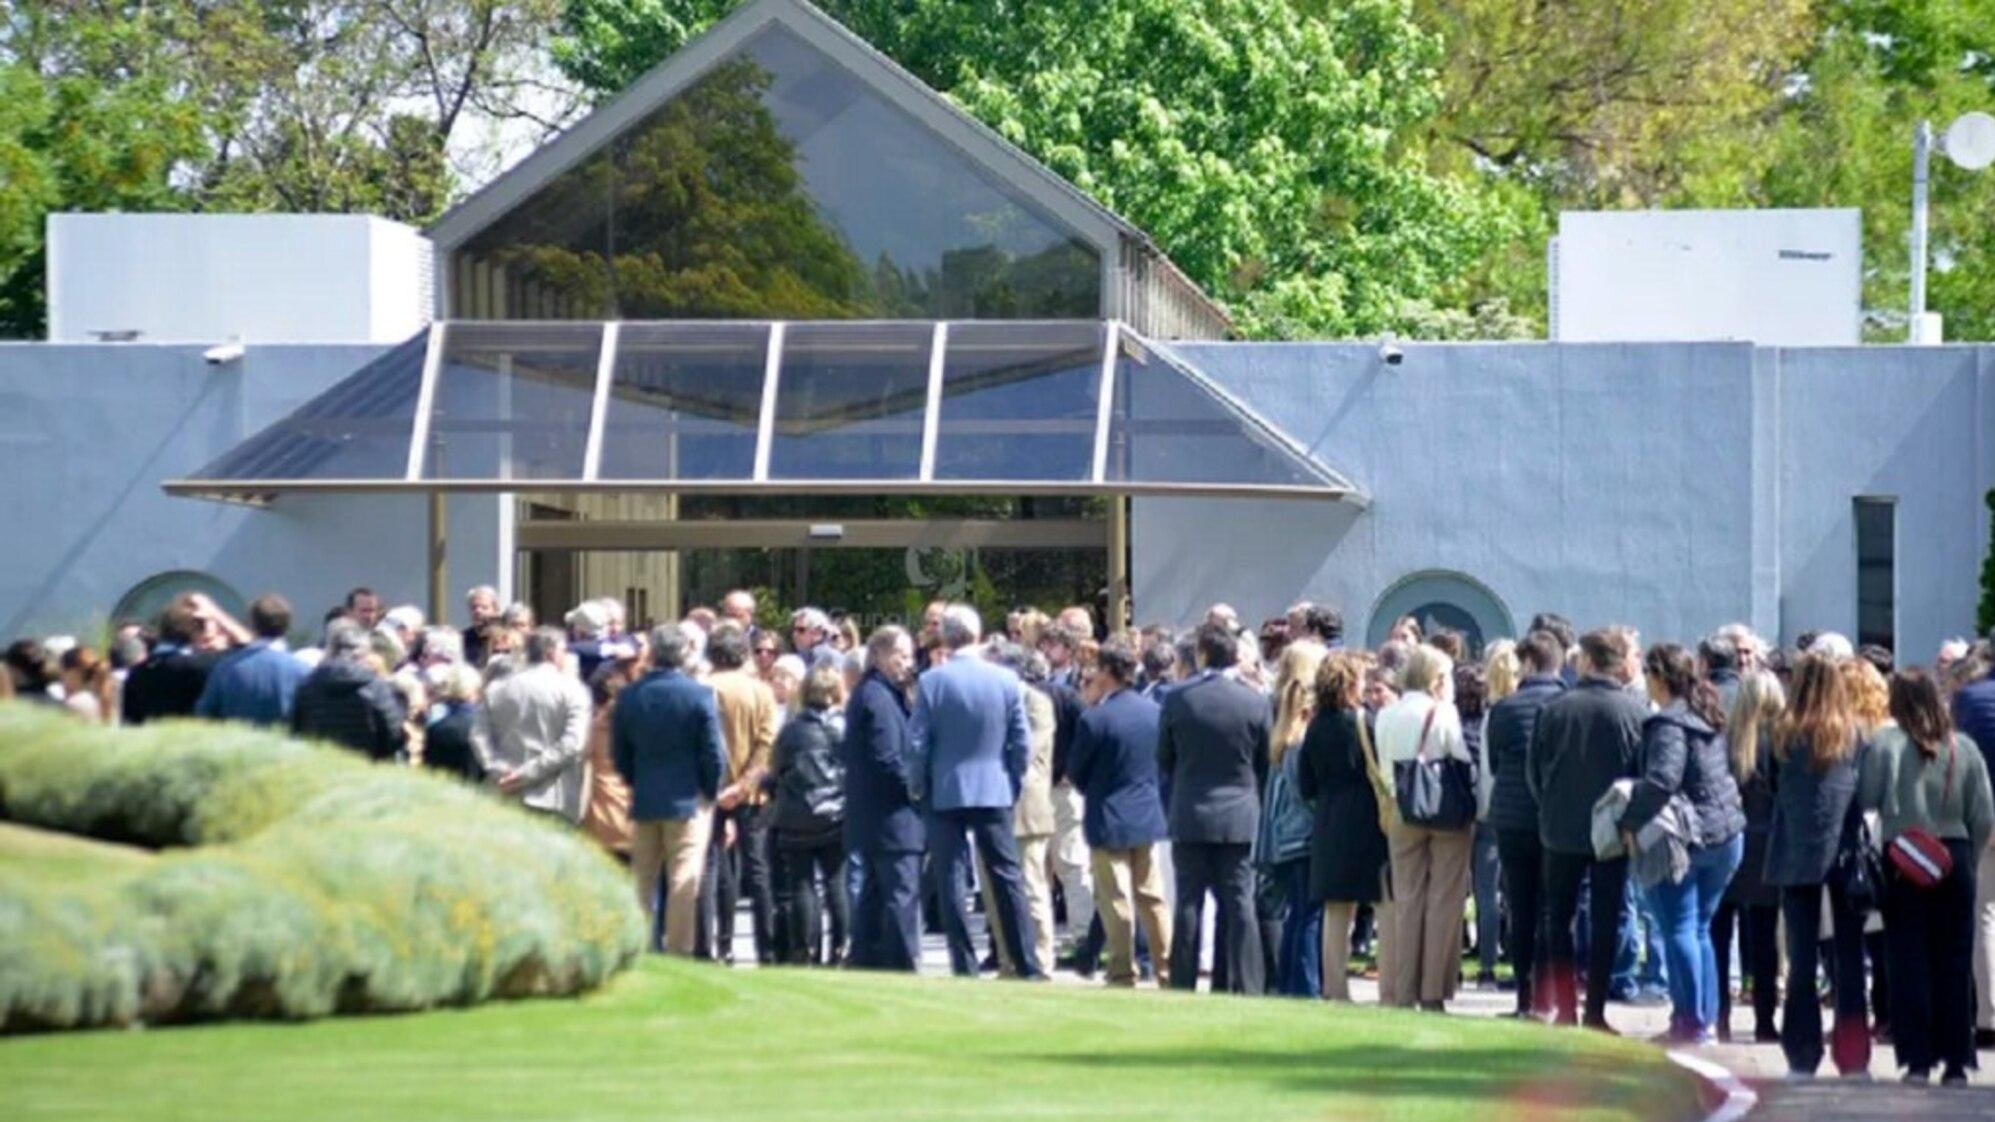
{"x": 1399, "y": 726}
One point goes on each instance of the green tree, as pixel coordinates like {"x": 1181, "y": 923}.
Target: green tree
{"x": 1274, "y": 149}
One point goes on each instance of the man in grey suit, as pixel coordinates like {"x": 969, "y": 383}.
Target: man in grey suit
{"x": 1212, "y": 747}
{"x": 532, "y": 733}
{"x": 969, "y": 744}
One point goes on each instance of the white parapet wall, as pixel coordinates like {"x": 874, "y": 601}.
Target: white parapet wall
{"x": 259, "y": 278}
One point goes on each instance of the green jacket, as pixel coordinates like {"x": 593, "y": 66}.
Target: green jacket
{"x": 1908, "y": 790}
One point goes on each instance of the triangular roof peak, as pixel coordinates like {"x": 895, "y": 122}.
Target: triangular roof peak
{"x": 975, "y": 140}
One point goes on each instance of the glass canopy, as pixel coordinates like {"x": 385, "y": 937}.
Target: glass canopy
{"x": 819, "y": 407}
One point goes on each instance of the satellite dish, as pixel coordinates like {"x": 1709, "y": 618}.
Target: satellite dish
{"x": 1970, "y": 141}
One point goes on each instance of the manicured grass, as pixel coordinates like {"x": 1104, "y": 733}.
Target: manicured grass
{"x": 680, "y": 1041}
{"x": 66, "y": 856}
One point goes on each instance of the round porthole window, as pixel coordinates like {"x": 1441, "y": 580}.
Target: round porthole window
{"x": 1438, "y": 599}
{"x": 150, "y": 596}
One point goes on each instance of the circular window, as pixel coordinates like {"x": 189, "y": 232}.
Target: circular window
{"x": 150, "y": 596}
{"x": 1438, "y": 599}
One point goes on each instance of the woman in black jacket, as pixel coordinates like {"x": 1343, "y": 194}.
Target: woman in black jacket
{"x": 1814, "y": 784}
{"x": 1683, "y": 757}
{"x": 1347, "y": 851}
{"x": 809, "y": 820}
{"x": 1751, "y": 906}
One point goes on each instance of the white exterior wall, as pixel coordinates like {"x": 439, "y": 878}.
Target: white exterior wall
{"x": 88, "y": 434}
{"x": 263, "y": 278}
{"x": 1773, "y": 277}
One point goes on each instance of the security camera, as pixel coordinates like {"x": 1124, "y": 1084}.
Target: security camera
{"x": 223, "y": 354}
{"x": 1390, "y": 354}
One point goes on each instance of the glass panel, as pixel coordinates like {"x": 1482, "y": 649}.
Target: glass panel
{"x": 779, "y": 186}
{"x": 685, "y": 401}
{"x": 850, "y": 401}
{"x": 1876, "y": 572}
{"x": 1166, "y": 428}
{"x": 513, "y": 401}
{"x": 1019, "y": 401}
{"x": 359, "y": 429}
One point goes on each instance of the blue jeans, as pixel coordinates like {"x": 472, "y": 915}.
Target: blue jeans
{"x": 1684, "y": 911}
{"x": 1299, "y": 962}
{"x": 1654, "y": 974}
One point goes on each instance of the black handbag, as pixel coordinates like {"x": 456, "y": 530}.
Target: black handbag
{"x": 1437, "y": 794}
{"x": 1859, "y": 864}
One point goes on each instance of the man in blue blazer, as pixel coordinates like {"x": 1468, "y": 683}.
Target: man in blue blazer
{"x": 882, "y": 827}
{"x": 1114, "y": 766}
{"x": 258, "y": 682}
{"x": 971, "y": 743}
{"x": 666, "y": 741}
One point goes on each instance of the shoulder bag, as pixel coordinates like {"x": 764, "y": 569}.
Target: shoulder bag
{"x": 1437, "y": 794}
{"x": 1919, "y": 856}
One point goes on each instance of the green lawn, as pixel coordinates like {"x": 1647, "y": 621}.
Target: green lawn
{"x": 65, "y": 857}
{"x": 674, "y": 1040}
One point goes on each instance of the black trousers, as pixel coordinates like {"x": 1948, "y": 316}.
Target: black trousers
{"x": 950, "y": 835}
{"x": 1801, "y": 1019}
{"x": 1521, "y": 858}
{"x": 800, "y": 862}
{"x": 731, "y": 871}
{"x": 1931, "y": 937}
{"x": 1224, "y": 870}
{"x": 886, "y": 919}
{"x": 1758, "y": 927}
{"x": 1607, "y": 892}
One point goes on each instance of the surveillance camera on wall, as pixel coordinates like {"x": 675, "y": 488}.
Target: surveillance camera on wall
{"x": 223, "y": 354}
{"x": 1390, "y": 354}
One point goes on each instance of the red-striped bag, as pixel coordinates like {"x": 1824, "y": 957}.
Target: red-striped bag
{"x": 1919, "y": 857}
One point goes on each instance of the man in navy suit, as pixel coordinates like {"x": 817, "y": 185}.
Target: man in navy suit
{"x": 666, "y": 741}
{"x": 971, "y": 743}
{"x": 882, "y": 826}
{"x": 1114, "y": 766}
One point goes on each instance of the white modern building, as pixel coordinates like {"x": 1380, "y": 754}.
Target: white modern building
{"x": 904, "y": 359}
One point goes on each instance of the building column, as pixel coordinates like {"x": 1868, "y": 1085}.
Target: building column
{"x": 439, "y": 594}
{"x": 1119, "y": 606}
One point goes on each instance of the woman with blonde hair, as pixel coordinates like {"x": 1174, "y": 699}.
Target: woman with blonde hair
{"x": 87, "y": 687}
{"x": 1347, "y": 849}
{"x": 1430, "y": 865}
{"x": 1816, "y": 745}
{"x": 1281, "y": 849}
{"x": 1502, "y": 670}
{"x": 1750, "y": 906}
{"x": 1869, "y": 694}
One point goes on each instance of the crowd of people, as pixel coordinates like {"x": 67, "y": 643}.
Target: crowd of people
{"x": 1607, "y": 821}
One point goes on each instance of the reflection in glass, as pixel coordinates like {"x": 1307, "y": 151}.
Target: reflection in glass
{"x": 685, "y": 401}
{"x": 778, "y": 185}
{"x": 513, "y": 401}
{"x": 1165, "y": 428}
{"x": 850, "y": 401}
{"x": 1019, "y": 403}
{"x": 359, "y": 429}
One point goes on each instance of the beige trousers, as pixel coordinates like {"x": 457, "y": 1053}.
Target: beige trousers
{"x": 1069, "y": 853}
{"x": 1984, "y": 939}
{"x": 1338, "y": 916}
{"x": 1038, "y": 901}
{"x": 1430, "y": 882}
{"x": 677, "y": 849}
{"x": 1129, "y": 888}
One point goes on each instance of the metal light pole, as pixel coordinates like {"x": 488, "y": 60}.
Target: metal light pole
{"x": 1922, "y": 147}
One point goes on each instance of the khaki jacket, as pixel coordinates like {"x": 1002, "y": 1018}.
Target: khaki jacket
{"x": 1034, "y": 816}
{"x": 748, "y": 724}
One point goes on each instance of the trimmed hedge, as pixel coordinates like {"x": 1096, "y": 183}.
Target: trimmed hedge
{"x": 295, "y": 881}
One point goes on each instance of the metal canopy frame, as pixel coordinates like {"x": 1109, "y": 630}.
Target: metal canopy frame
{"x": 1117, "y": 342}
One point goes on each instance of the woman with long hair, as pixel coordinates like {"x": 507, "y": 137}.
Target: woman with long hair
{"x": 87, "y": 687}
{"x": 1347, "y": 850}
{"x": 1816, "y": 746}
{"x": 1683, "y": 756}
{"x": 1870, "y": 704}
{"x": 1472, "y": 700}
{"x": 1282, "y": 845}
{"x": 1750, "y": 906}
{"x": 606, "y": 808}
{"x": 1930, "y": 784}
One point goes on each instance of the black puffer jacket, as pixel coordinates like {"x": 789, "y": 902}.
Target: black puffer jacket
{"x": 342, "y": 701}
{"x": 809, "y": 778}
{"x": 1508, "y": 744}
{"x": 1681, "y": 754}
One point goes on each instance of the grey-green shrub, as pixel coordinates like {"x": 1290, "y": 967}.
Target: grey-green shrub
{"x": 295, "y": 880}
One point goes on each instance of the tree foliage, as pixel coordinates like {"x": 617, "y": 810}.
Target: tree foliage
{"x": 1272, "y": 148}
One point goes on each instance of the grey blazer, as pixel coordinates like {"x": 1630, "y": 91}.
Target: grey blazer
{"x": 1810, "y": 811}
{"x": 537, "y": 721}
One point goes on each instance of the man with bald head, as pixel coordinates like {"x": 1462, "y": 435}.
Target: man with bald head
{"x": 739, "y": 606}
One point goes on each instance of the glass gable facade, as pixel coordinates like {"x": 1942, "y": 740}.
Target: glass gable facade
{"x": 858, "y": 408}
{"x": 776, "y": 185}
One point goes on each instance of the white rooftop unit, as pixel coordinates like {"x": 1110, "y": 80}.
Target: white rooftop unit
{"x": 261, "y": 278}
{"x": 1773, "y": 277}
